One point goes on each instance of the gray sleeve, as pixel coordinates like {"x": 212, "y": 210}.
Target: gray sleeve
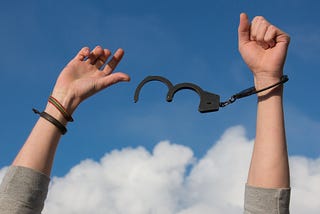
{"x": 23, "y": 191}
{"x": 272, "y": 201}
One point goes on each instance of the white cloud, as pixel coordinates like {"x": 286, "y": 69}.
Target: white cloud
{"x": 170, "y": 180}
{"x": 126, "y": 181}
{"x": 305, "y": 184}
{"x": 217, "y": 180}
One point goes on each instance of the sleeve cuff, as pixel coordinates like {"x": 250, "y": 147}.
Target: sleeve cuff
{"x": 24, "y": 186}
{"x": 266, "y": 200}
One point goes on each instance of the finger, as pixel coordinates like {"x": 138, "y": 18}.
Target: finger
{"x": 112, "y": 64}
{"x": 83, "y": 53}
{"x": 254, "y": 27}
{"x": 244, "y": 28}
{"x": 103, "y": 58}
{"x": 281, "y": 36}
{"x": 270, "y": 36}
{"x": 264, "y": 45}
{"x": 261, "y": 32}
{"x": 94, "y": 55}
{"x": 113, "y": 79}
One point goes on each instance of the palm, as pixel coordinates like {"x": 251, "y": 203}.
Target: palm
{"x": 82, "y": 77}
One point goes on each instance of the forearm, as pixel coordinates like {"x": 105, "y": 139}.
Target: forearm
{"x": 39, "y": 149}
{"x": 269, "y": 164}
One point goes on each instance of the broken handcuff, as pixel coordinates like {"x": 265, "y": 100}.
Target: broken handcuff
{"x": 209, "y": 102}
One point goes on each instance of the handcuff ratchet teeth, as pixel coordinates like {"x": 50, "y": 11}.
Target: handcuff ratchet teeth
{"x": 209, "y": 102}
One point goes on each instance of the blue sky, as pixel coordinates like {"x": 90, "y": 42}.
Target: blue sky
{"x": 189, "y": 41}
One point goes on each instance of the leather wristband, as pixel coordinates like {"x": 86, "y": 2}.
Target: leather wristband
{"x": 52, "y": 120}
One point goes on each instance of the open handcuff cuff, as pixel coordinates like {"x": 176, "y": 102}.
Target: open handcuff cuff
{"x": 209, "y": 102}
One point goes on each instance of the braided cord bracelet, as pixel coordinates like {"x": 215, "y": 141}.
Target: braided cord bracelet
{"x": 60, "y": 107}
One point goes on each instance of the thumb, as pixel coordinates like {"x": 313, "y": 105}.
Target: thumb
{"x": 244, "y": 29}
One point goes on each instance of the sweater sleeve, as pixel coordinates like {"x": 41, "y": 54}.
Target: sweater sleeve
{"x": 261, "y": 200}
{"x": 23, "y": 191}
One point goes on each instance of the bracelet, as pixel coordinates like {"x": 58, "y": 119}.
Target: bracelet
{"x": 250, "y": 91}
{"x": 52, "y": 120}
{"x": 62, "y": 110}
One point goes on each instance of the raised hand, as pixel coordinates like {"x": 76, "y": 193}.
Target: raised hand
{"x": 263, "y": 47}
{"x": 86, "y": 74}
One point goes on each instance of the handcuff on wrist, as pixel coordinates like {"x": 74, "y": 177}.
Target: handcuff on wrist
{"x": 209, "y": 102}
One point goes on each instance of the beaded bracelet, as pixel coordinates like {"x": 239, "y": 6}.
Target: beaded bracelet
{"x": 52, "y": 120}
{"x": 60, "y": 107}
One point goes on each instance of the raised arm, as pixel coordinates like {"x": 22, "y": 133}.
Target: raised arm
{"x": 86, "y": 74}
{"x": 80, "y": 79}
{"x": 264, "y": 47}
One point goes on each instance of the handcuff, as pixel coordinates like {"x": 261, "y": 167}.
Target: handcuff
{"x": 209, "y": 102}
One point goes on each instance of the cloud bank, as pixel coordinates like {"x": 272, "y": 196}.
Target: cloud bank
{"x": 170, "y": 180}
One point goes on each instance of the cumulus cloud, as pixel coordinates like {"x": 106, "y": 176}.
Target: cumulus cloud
{"x": 170, "y": 180}
{"x": 126, "y": 181}
{"x": 305, "y": 184}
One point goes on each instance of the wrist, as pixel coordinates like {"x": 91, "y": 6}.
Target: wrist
{"x": 262, "y": 82}
{"x": 66, "y": 100}
{"x": 265, "y": 81}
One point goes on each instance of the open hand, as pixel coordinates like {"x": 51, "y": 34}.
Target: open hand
{"x": 86, "y": 74}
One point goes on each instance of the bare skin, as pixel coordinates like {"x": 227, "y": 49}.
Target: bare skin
{"x": 264, "y": 47}
{"x": 84, "y": 76}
